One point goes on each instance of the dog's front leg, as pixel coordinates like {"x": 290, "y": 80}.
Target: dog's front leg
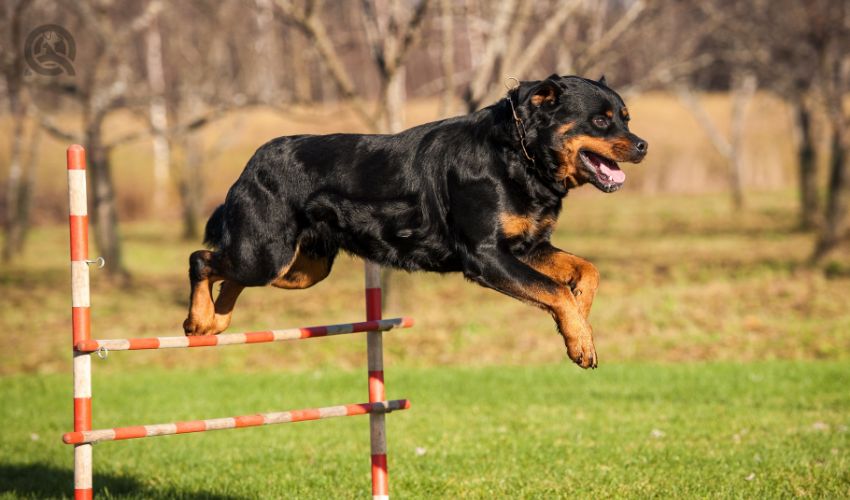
{"x": 502, "y": 271}
{"x": 577, "y": 273}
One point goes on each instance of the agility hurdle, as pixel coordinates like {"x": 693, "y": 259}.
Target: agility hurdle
{"x": 83, "y": 436}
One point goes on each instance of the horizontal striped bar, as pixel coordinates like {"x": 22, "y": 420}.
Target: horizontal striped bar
{"x": 214, "y": 424}
{"x": 242, "y": 338}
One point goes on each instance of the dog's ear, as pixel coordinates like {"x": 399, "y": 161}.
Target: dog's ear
{"x": 602, "y": 80}
{"x": 545, "y": 92}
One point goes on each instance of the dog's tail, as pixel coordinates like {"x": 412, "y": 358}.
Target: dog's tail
{"x": 214, "y": 232}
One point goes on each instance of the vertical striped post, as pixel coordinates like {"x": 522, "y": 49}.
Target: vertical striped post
{"x": 81, "y": 319}
{"x": 375, "y": 350}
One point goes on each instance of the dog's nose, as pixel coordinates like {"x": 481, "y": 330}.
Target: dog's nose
{"x": 641, "y": 146}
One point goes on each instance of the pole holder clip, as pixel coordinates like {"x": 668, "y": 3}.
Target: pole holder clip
{"x": 100, "y": 261}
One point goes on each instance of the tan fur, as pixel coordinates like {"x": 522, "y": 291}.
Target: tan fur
{"x": 616, "y": 149}
{"x": 303, "y": 271}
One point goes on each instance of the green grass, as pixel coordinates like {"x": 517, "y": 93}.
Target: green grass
{"x": 757, "y": 430}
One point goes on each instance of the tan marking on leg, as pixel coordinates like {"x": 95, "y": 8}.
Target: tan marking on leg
{"x": 579, "y": 273}
{"x": 201, "y": 320}
{"x": 224, "y": 304}
{"x": 572, "y": 325}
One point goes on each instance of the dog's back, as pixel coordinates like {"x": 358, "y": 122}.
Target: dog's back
{"x": 381, "y": 197}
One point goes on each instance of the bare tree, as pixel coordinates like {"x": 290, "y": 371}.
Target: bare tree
{"x": 833, "y": 21}
{"x": 447, "y": 57}
{"x": 158, "y": 115}
{"x": 19, "y": 183}
{"x": 730, "y": 148}
{"x": 106, "y": 85}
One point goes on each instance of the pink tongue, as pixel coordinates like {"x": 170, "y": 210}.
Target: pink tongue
{"x": 615, "y": 174}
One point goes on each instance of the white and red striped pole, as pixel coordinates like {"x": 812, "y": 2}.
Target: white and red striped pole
{"x": 81, "y": 318}
{"x": 375, "y": 354}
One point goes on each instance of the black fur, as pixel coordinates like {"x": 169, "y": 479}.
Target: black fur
{"x": 429, "y": 198}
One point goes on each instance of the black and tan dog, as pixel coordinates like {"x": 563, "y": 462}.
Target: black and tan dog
{"x": 477, "y": 194}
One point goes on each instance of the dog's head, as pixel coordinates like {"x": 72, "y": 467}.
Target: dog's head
{"x": 578, "y": 130}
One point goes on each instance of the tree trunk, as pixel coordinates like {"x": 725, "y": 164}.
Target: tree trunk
{"x": 158, "y": 118}
{"x": 104, "y": 215}
{"x": 16, "y": 187}
{"x": 447, "y": 59}
{"x": 28, "y": 187}
{"x": 744, "y": 88}
{"x": 838, "y": 200}
{"x": 806, "y": 164}
{"x": 191, "y": 186}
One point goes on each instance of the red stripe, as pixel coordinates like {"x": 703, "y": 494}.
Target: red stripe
{"x": 314, "y": 331}
{"x": 82, "y": 414}
{"x": 191, "y": 426}
{"x": 249, "y": 421}
{"x": 376, "y": 386}
{"x": 302, "y": 415}
{"x": 373, "y": 303}
{"x": 83, "y": 494}
{"x": 76, "y": 156}
{"x": 359, "y": 409}
{"x": 253, "y": 337}
{"x": 79, "y": 225}
{"x": 151, "y": 343}
{"x": 380, "y": 484}
{"x": 81, "y": 323}
{"x": 137, "y": 431}
{"x": 86, "y": 346}
{"x": 203, "y": 340}
{"x": 72, "y": 437}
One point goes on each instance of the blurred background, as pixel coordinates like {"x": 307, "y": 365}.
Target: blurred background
{"x": 728, "y": 244}
{"x": 728, "y": 241}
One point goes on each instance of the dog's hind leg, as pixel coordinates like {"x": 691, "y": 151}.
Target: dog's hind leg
{"x": 224, "y": 303}
{"x": 307, "y": 267}
{"x": 203, "y": 273}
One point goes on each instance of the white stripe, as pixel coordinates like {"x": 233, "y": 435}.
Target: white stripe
{"x": 279, "y": 417}
{"x": 333, "y": 411}
{"x": 340, "y": 329}
{"x": 374, "y": 350}
{"x": 99, "y": 435}
{"x": 380, "y": 497}
{"x": 160, "y": 429}
{"x": 82, "y": 375}
{"x": 377, "y": 433}
{"x": 232, "y": 338}
{"x": 80, "y": 284}
{"x": 288, "y": 334}
{"x": 115, "y": 344}
{"x": 82, "y": 466}
{"x": 373, "y": 275}
{"x": 77, "y": 192}
{"x": 220, "y": 423}
{"x": 173, "y": 342}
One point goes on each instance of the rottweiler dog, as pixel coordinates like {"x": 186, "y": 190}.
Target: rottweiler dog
{"x": 477, "y": 194}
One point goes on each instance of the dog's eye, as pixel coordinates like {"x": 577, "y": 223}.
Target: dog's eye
{"x": 600, "y": 122}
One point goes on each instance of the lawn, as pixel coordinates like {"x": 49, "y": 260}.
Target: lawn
{"x": 756, "y": 430}
{"x": 723, "y": 371}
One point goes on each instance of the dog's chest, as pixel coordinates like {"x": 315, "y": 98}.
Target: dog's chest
{"x": 526, "y": 229}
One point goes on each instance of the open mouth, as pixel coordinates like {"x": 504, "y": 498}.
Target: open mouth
{"x": 604, "y": 172}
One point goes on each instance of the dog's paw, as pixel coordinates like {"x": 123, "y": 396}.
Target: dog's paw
{"x": 192, "y": 328}
{"x": 581, "y": 350}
